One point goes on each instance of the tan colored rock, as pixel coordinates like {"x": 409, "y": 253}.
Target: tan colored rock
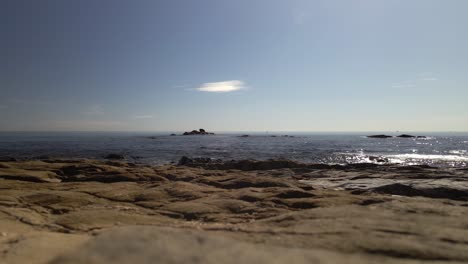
{"x": 295, "y": 214}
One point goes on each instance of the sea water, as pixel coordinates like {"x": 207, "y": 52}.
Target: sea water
{"x": 437, "y": 149}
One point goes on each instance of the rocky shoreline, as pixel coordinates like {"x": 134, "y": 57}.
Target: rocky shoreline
{"x": 212, "y": 211}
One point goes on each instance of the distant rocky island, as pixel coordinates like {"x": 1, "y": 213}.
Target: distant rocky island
{"x": 400, "y": 136}
{"x": 201, "y": 131}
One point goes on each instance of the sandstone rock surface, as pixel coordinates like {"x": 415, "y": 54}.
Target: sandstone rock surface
{"x": 89, "y": 211}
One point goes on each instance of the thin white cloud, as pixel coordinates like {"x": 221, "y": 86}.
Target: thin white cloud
{"x": 417, "y": 81}
{"x": 428, "y": 76}
{"x": 221, "y": 87}
{"x": 403, "y": 85}
{"x": 143, "y": 116}
{"x": 94, "y": 110}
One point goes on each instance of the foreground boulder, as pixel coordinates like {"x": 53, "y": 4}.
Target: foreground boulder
{"x": 170, "y": 245}
{"x": 96, "y": 211}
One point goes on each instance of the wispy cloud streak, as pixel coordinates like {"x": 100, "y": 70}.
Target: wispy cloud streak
{"x": 143, "y": 117}
{"x": 221, "y": 87}
{"x": 94, "y": 110}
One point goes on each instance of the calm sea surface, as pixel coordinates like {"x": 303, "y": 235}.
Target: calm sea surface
{"x": 438, "y": 149}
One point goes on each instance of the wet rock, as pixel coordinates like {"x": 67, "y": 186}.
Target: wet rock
{"x": 432, "y": 192}
{"x": 244, "y": 136}
{"x": 406, "y": 136}
{"x": 245, "y": 165}
{"x": 379, "y": 136}
{"x": 115, "y": 156}
{"x": 197, "y": 132}
{"x": 7, "y": 159}
{"x": 184, "y": 161}
{"x": 378, "y": 159}
{"x": 173, "y": 135}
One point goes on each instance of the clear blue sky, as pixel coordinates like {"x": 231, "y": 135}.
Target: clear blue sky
{"x": 243, "y": 65}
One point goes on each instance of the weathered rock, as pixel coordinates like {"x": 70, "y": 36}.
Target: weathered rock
{"x": 378, "y": 159}
{"x": 7, "y": 159}
{"x": 314, "y": 213}
{"x": 406, "y": 136}
{"x": 115, "y": 156}
{"x": 379, "y": 136}
{"x": 426, "y": 191}
{"x": 169, "y": 245}
{"x": 197, "y": 132}
{"x": 245, "y": 165}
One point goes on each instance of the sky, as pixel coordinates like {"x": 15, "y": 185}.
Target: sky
{"x": 244, "y": 65}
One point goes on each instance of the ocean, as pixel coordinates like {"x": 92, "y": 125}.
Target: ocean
{"x": 437, "y": 149}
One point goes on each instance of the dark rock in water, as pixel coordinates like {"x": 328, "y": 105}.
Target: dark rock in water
{"x": 421, "y": 137}
{"x": 378, "y": 159}
{"x": 197, "y": 162}
{"x": 115, "y": 156}
{"x": 406, "y": 136}
{"x": 253, "y": 165}
{"x": 244, "y": 136}
{"x": 245, "y": 165}
{"x": 197, "y": 132}
{"x": 434, "y": 192}
{"x": 7, "y": 159}
{"x": 185, "y": 161}
{"x": 173, "y": 135}
{"x": 379, "y": 136}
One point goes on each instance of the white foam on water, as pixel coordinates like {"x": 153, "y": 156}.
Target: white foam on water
{"x": 458, "y": 151}
{"x": 403, "y": 157}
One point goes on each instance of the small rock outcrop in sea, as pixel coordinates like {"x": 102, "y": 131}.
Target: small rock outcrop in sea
{"x": 172, "y": 135}
{"x": 244, "y": 136}
{"x": 115, "y": 156}
{"x": 378, "y": 159}
{"x": 7, "y": 159}
{"x": 406, "y": 136}
{"x": 379, "y": 136}
{"x": 201, "y": 131}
